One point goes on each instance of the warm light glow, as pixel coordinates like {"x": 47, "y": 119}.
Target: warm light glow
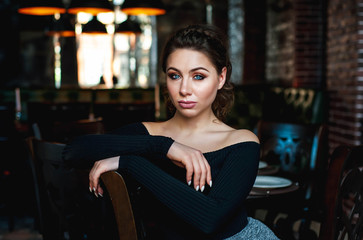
{"x": 41, "y": 10}
{"x": 83, "y": 18}
{"x": 92, "y": 11}
{"x": 106, "y": 18}
{"x": 143, "y": 11}
{"x": 94, "y": 56}
{"x": 62, "y": 33}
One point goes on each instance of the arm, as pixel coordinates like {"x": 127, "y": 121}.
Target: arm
{"x": 205, "y": 212}
{"x": 83, "y": 151}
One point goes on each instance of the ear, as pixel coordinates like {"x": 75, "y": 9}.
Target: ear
{"x": 222, "y": 78}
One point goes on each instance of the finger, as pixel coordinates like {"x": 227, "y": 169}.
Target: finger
{"x": 189, "y": 172}
{"x": 100, "y": 191}
{"x": 204, "y": 173}
{"x": 209, "y": 175}
{"x": 196, "y": 174}
{"x": 94, "y": 178}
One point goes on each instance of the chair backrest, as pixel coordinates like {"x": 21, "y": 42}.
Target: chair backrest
{"x": 121, "y": 203}
{"x": 63, "y": 132}
{"x": 55, "y": 186}
{"x": 344, "y": 195}
{"x": 66, "y": 131}
{"x": 294, "y": 147}
{"x": 300, "y": 151}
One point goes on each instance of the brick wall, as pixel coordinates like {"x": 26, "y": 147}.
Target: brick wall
{"x": 309, "y": 46}
{"x": 280, "y": 42}
{"x": 296, "y": 43}
{"x": 344, "y": 71}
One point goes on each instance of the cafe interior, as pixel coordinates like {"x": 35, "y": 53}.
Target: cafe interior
{"x": 73, "y": 67}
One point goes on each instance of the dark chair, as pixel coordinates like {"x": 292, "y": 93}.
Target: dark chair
{"x": 57, "y": 191}
{"x": 65, "y": 131}
{"x": 343, "y": 218}
{"x": 300, "y": 153}
{"x": 121, "y": 203}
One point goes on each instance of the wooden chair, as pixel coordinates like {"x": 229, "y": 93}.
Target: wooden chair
{"x": 119, "y": 196}
{"x": 344, "y": 195}
{"x": 299, "y": 151}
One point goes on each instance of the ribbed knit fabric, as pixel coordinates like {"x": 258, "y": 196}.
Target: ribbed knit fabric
{"x": 217, "y": 213}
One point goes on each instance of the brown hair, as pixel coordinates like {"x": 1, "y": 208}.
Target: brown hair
{"x": 213, "y": 43}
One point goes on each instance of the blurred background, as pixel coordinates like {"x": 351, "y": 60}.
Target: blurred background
{"x": 297, "y": 61}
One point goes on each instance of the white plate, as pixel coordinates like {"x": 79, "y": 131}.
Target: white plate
{"x": 271, "y": 182}
{"x": 262, "y": 165}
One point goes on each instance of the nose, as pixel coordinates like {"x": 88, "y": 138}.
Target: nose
{"x": 185, "y": 87}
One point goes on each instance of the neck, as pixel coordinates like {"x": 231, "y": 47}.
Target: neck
{"x": 194, "y": 124}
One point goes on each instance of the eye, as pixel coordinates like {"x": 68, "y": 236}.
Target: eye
{"x": 198, "y": 77}
{"x": 173, "y": 76}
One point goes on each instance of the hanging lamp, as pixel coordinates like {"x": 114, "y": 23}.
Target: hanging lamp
{"x": 145, "y": 7}
{"x": 94, "y": 27}
{"x": 62, "y": 27}
{"x": 41, "y": 7}
{"x": 93, "y": 7}
{"x": 128, "y": 27}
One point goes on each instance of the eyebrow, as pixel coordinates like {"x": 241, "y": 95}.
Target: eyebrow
{"x": 192, "y": 70}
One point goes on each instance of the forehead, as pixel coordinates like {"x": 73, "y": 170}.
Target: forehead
{"x": 188, "y": 57}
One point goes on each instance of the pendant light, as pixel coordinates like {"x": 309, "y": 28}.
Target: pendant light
{"x": 93, "y": 7}
{"x": 146, "y": 7}
{"x": 41, "y": 7}
{"x": 62, "y": 27}
{"x": 128, "y": 27}
{"x": 94, "y": 27}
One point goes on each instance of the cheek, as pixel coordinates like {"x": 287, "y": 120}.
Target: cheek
{"x": 171, "y": 91}
{"x": 209, "y": 92}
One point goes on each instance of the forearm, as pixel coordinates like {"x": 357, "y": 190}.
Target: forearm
{"x": 83, "y": 151}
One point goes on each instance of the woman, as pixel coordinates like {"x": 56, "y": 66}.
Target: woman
{"x": 199, "y": 169}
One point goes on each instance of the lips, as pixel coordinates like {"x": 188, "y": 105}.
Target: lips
{"x": 187, "y": 104}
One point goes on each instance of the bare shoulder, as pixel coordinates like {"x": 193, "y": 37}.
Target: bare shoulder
{"x": 243, "y": 135}
{"x": 154, "y": 128}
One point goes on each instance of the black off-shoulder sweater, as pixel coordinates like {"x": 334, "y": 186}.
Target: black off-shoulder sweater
{"x": 185, "y": 213}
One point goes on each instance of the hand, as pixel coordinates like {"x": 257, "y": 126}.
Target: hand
{"x": 193, "y": 160}
{"x": 99, "y": 167}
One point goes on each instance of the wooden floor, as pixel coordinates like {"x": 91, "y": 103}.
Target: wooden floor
{"x": 23, "y": 229}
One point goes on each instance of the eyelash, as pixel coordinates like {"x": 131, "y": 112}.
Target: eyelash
{"x": 200, "y": 76}
{"x": 175, "y": 76}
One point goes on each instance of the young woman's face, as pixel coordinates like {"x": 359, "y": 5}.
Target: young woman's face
{"x": 192, "y": 81}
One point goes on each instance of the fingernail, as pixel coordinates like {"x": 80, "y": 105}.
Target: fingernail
{"x": 190, "y": 182}
{"x": 100, "y": 194}
{"x": 197, "y": 188}
{"x": 94, "y": 189}
{"x": 210, "y": 183}
{"x": 202, "y": 189}
{"x": 96, "y": 194}
{"x": 90, "y": 190}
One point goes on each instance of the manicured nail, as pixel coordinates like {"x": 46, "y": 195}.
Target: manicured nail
{"x": 197, "y": 188}
{"x": 202, "y": 189}
{"x": 190, "y": 182}
{"x": 210, "y": 183}
{"x": 100, "y": 194}
{"x": 95, "y": 194}
{"x": 94, "y": 189}
{"x": 90, "y": 190}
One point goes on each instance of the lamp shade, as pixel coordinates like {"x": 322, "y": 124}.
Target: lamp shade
{"x": 93, "y": 7}
{"x": 146, "y": 7}
{"x": 94, "y": 27}
{"x": 128, "y": 27}
{"x": 41, "y": 7}
{"x": 62, "y": 27}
